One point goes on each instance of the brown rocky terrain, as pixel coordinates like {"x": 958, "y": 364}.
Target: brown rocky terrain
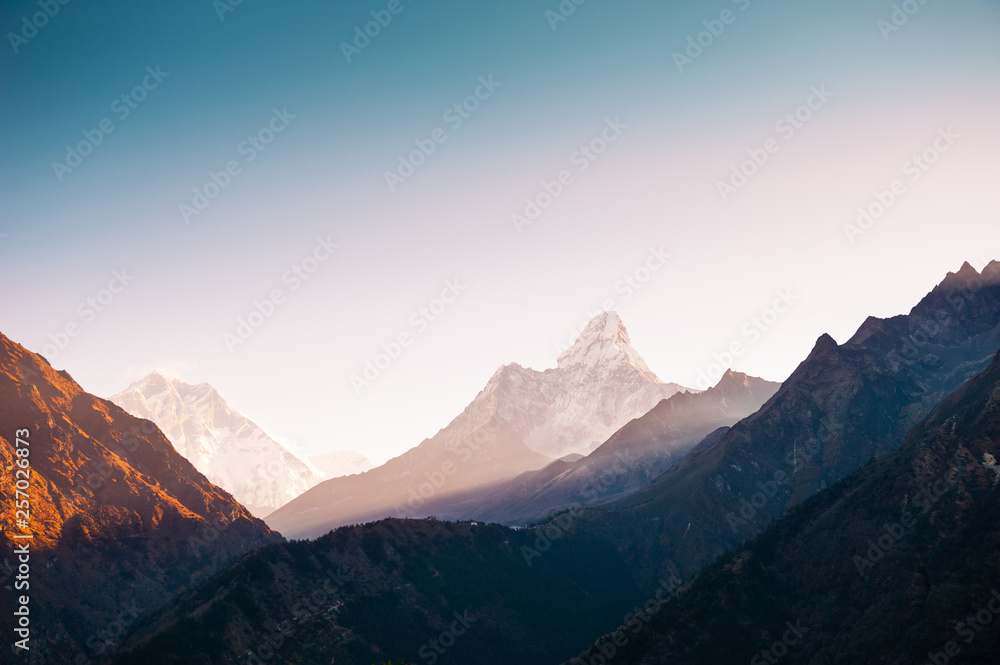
{"x": 120, "y": 521}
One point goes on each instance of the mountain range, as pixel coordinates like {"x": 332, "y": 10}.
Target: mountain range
{"x": 847, "y": 515}
{"x": 897, "y": 563}
{"x": 630, "y": 459}
{"x": 879, "y": 395}
{"x": 230, "y": 449}
{"x": 519, "y": 422}
{"x": 119, "y": 521}
{"x": 842, "y": 406}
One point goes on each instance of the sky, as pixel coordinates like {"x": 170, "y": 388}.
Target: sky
{"x": 264, "y": 197}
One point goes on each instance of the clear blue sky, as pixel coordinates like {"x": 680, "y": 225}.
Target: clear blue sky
{"x": 607, "y": 74}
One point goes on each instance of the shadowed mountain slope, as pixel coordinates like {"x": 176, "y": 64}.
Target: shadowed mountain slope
{"x": 628, "y": 461}
{"x": 896, "y": 564}
{"x": 519, "y": 422}
{"x": 120, "y": 521}
{"x": 842, "y": 406}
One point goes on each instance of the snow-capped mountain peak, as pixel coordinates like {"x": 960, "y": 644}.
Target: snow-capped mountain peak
{"x": 520, "y": 421}
{"x": 604, "y": 340}
{"x": 599, "y": 384}
{"x": 231, "y": 450}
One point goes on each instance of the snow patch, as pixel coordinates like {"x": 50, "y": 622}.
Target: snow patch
{"x": 231, "y": 450}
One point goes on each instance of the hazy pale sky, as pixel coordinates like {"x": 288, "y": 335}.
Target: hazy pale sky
{"x": 170, "y": 168}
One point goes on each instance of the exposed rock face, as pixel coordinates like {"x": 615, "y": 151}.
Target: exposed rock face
{"x": 519, "y": 422}
{"x": 843, "y": 405}
{"x": 120, "y": 520}
{"x": 896, "y": 564}
{"x": 629, "y": 460}
{"x": 600, "y": 384}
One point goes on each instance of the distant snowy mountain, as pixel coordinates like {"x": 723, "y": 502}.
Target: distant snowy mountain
{"x": 628, "y": 461}
{"x": 231, "y": 451}
{"x": 600, "y": 384}
{"x": 340, "y": 463}
{"x": 521, "y": 421}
